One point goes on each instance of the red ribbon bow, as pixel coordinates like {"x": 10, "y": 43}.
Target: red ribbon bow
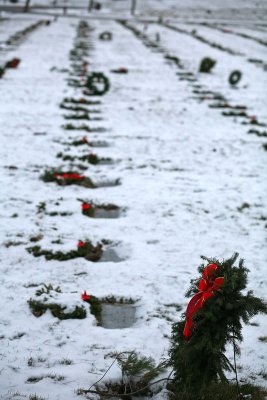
{"x": 85, "y": 296}
{"x": 206, "y": 288}
{"x": 68, "y": 176}
{"x": 80, "y": 244}
{"x": 86, "y": 206}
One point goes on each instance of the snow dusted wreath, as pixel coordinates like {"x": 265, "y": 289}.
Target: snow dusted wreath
{"x": 211, "y": 321}
{"x": 97, "y": 83}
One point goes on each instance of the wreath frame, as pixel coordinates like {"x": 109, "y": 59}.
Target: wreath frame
{"x": 105, "y": 36}
{"x": 206, "y": 64}
{"x": 96, "y": 77}
{"x": 235, "y": 77}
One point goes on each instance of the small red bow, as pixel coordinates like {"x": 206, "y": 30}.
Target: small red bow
{"x": 80, "y": 244}
{"x": 68, "y": 176}
{"x": 85, "y": 296}
{"x": 206, "y": 288}
{"x": 86, "y": 206}
{"x": 15, "y": 62}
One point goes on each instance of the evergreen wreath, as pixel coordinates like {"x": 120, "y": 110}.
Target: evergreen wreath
{"x": 107, "y": 36}
{"x": 12, "y": 63}
{"x": 67, "y": 178}
{"x": 206, "y": 64}
{"x": 97, "y": 84}
{"x": 212, "y": 320}
{"x": 234, "y": 77}
{"x": 84, "y": 250}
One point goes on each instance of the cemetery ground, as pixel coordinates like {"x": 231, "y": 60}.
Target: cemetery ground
{"x": 108, "y": 201}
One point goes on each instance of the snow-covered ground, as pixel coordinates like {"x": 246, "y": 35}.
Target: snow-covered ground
{"x": 186, "y": 174}
{"x": 240, "y": 12}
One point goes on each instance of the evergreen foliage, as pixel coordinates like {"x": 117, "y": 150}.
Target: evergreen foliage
{"x": 80, "y": 142}
{"x": 234, "y": 77}
{"x": 71, "y": 127}
{"x": 242, "y": 114}
{"x": 95, "y": 307}
{"x": 46, "y": 289}
{"x": 105, "y": 36}
{"x": 258, "y": 133}
{"x": 97, "y": 84}
{"x": 87, "y": 251}
{"x": 67, "y": 178}
{"x": 38, "y": 308}
{"x": 82, "y": 116}
{"x": 137, "y": 368}
{"x": 200, "y": 361}
{"x": 78, "y": 109}
{"x": 206, "y": 64}
{"x": 91, "y": 158}
{"x": 80, "y": 101}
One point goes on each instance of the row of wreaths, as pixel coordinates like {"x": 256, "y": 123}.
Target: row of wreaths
{"x": 208, "y": 63}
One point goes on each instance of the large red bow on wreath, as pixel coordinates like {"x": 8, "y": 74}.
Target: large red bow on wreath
{"x": 208, "y": 284}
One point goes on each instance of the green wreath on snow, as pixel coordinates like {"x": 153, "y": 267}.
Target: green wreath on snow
{"x": 206, "y": 64}
{"x": 97, "y": 83}
{"x": 235, "y": 77}
{"x": 107, "y": 36}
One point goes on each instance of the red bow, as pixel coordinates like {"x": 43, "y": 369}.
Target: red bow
{"x": 86, "y": 206}
{"x": 206, "y": 288}
{"x": 85, "y": 296}
{"x": 68, "y": 176}
{"x": 80, "y": 244}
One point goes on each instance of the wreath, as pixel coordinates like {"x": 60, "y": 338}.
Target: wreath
{"x": 13, "y": 63}
{"x": 121, "y": 70}
{"x": 234, "y": 77}
{"x": 97, "y": 6}
{"x": 105, "y": 36}
{"x": 206, "y": 64}
{"x": 97, "y": 83}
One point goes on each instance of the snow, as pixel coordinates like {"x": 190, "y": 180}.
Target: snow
{"x": 184, "y": 170}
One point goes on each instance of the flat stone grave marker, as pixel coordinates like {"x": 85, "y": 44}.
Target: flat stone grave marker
{"x": 111, "y": 183}
{"x": 102, "y": 213}
{"x": 117, "y": 316}
{"x": 110, "y": 255}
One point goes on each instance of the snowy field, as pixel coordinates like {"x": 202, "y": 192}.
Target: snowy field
{"x": 192, "y": 182}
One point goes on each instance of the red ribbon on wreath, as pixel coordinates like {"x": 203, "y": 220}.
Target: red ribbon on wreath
{"x": 68, "y": 176}
{"x": 86, "y": 206}
{"x": 207, "y": 287}
{"x": 85, "y": 296}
